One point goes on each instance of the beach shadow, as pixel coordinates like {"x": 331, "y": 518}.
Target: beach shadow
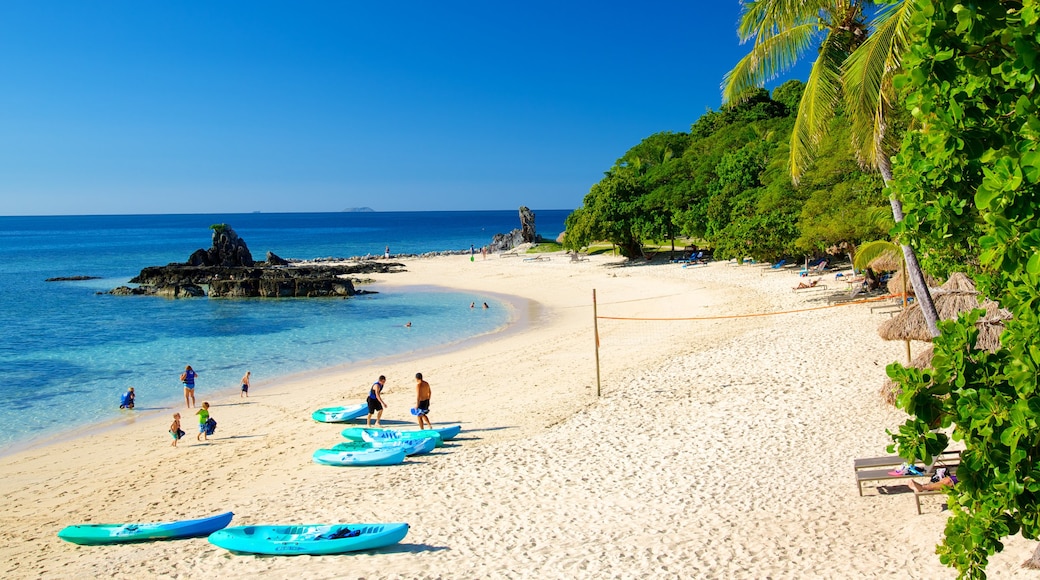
{"x": 230, "y": 404}
{"x": 413, "y": 548}
{"x": 470, "y": 431}
{"x": 893, "y": 489}
{"x": 236, "y": 437}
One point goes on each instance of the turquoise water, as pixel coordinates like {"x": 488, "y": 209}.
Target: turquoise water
{"x": 68, "y": 352}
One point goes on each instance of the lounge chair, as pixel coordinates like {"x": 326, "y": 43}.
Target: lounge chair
{"x": 779, "y": 264}
{"x": 882, "y": 468}
{"x": 538, "y": 259}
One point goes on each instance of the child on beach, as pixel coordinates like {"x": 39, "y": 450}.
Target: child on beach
{"x": 188, "y": 379}
{"x": 127, "y": 401}
{"x": 245, "y": 385}
{"x": 203, "y": 414}
{"x": 175, "y": 429}
{"x": 422, "y": 401}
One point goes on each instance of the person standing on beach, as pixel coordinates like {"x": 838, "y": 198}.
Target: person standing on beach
{"x": 422, "y": 401}
{"x": 203, "y": 414}
{"x": 188, "y": 380}
{"x": 245, "y": 384}
{"x": 386, "y": 254}
{"x": 375, "y": 402}
{"x": 175, "y": 429}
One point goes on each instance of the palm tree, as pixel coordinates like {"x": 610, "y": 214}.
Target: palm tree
{"x": 852, "y": 66}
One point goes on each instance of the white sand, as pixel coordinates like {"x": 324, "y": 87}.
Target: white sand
{"x": 719, "y": 449}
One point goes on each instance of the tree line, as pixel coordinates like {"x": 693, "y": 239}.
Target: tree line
{"x": 725, "y": 185}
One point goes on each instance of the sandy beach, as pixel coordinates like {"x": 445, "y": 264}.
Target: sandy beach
{"x": 720, "y": 447}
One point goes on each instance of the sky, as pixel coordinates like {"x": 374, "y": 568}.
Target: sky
{"x": 129, "y": 107}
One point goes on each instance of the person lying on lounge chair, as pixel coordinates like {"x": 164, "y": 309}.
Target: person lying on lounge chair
{"x": 947, "y": 481}
{"x": 804, "y": 285}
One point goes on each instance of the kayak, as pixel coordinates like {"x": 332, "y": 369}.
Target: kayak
{"x": 100, "y": 534}
{"x": 313, "y": 539}
{"x": 361, "y": 457}
{"x": 441, "y": 433}
{"x": 446, "y": 433}
{"x": 410, "y": 446}
{"x": 340, "y": 414}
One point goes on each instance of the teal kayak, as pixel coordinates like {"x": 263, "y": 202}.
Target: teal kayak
{"x": 100, "y": 534}
{"x": 313, "y": 539}
{"x": 354, "y": 434}
{"x": 361, "y": 457}
{"x": 340, "y": 414}
{"x": 446, "y": 433}
{"x": 409, "y": 446}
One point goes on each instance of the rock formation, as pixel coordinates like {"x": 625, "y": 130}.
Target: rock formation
{"x": 228, "y": 250}
{"x": 527, "y": 225}
{"x": 525, "y": 235}
{"x": 228, "y": 270}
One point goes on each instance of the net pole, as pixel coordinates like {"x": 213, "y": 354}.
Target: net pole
{"x": 595, "y": 331}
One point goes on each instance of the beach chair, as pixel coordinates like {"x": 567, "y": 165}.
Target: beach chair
{"x": 882, "y": 468}
{"x": 917, "y": 494}
{"x": 779, "y": 264}
{"x": 538, "y": 259}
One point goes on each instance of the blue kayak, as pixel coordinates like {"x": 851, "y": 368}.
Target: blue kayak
{"x": 100, "y": 534}
{"x": 312, "y": 539}
{"x": 361, "y": 457}
{"x": 442, "y": 433}
{"x": 340, "y": 414}
{"x": 410, "y": 446}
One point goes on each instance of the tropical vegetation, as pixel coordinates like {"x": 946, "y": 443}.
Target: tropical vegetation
{"x": 725, "y": 185}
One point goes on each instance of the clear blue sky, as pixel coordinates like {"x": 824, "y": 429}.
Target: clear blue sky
{"x": 122, "y": 107}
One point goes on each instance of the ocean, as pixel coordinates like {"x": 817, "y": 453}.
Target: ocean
{"x": 68, "y": 350}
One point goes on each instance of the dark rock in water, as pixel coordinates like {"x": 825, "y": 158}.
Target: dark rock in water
{"x": 228, "y": 270}
{"x": 228, "y": 250}
{"x": 72, "y": 278}
{"x": 274, "y": 260}
{"x": 527, "y": 231}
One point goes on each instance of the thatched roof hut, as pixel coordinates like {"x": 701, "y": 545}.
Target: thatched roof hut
{"x": 890, "y": 390}
{"x": 895, "y": 283}
{"x": 955, "y": 296}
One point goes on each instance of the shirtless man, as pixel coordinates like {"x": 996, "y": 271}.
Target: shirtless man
{"x": 422, "y": 401}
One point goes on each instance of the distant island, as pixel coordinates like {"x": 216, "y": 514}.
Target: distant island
{"x": 359, "y": 209}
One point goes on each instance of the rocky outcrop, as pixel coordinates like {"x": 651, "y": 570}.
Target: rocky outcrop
{"x": 227, "y": 270}
{"x": 274, "y": 260}
{"x": 228, "y": 250}
{"x": 527, "y": 231}
{"x": 526, "y": 234}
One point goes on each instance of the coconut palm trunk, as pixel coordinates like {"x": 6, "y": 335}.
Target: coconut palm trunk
{"x": 913, "y": 267}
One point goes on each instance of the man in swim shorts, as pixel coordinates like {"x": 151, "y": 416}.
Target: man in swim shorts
{"x": 375, "y": 402}
{"x": 422, "y": 401}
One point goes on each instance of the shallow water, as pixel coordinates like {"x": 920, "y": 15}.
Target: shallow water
{"x": 68, "y": 353}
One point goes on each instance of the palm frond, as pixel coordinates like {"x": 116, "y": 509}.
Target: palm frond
{"x": 819, "y": 100}
{"x": 763, "y": 19}
{"x": 766, "y": 60}
{"x": 867, "y": 252}
{"x": 867, "y": 76}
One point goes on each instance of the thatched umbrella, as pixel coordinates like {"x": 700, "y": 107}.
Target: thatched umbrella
{"x": 957, "y": 295}
{"x": 895, "y": 283}
{"x": 923, "y": 360}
